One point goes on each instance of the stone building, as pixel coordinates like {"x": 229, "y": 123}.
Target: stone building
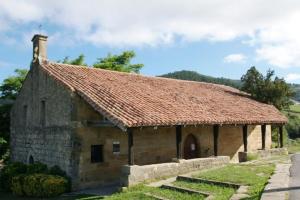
{"x": 93, "y": 123}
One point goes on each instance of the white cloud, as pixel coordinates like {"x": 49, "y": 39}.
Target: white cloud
{"x": 235, "y": 58}
{"x": 272, "y": 27}
{"x": 292, "y": 77}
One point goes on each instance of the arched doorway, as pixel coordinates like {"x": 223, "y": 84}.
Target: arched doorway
{"x": 190, "y": 147}
{"x": 30, "y": 160}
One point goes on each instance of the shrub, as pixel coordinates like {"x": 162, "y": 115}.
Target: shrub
{"x": 55, "y": 170}
{"x": 17, "y": 185}
{"x": 54, "y": 186}
{"x": 37, "y": 168}
{"x": 39, "y": 185}
{"x": 8, "y": 172}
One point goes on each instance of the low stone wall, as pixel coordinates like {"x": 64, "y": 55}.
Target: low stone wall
{"x": 132, "y": 175}
{"x": 263, "y": 153}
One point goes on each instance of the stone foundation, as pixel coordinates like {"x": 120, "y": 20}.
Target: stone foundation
{"x": 132, "y": 175}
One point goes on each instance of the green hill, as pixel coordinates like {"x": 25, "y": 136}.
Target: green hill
{"x": 195, "y": 76}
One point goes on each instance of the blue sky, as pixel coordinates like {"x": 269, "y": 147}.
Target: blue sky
{"x": 213, "y": 37}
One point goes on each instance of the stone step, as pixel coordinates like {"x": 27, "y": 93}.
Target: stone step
{"x": 185, "y": 190}
{"x": 201, "y": 180}
{"x": 155, "y": 196}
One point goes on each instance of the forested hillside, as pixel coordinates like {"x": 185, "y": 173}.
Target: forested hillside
{"x": 195, "y": 76}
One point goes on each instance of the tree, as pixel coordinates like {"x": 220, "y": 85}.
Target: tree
{"x": 77, "y": 61}
{"x": 119, "y": 62}
{"x": 266, "y": 89}
{"x": 8, "y": 92}
{"x": 11, "y": 85}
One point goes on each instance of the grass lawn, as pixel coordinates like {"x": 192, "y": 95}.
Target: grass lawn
{"x": 134, "y": 193}
{"x": 253, "y": 175}
{"x": 295, "y": 108}
{"x": 294, "y": 146}
{"x": 219, "y": 193}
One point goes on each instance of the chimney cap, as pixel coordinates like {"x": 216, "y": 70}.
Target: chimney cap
{"x": 39, "y": 36}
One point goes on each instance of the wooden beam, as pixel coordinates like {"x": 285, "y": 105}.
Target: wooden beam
{"x": 130, "y": 147}
{"x": 178, "y": 142}
{"x": 216, "y": 138}
{"x": 263, "y": 136}
{"x": 281, "y": 136}
{"x": 245, "y": 137}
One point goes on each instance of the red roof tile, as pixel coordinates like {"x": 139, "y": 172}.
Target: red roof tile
{"x": 131, "y": 100}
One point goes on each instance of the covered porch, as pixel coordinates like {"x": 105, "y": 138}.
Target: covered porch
{"x": 188, "y": 146}
{"x": 182, "y": 149}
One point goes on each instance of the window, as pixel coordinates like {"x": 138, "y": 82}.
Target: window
{"x": 43, "y": 113}
{"x": 96, "y": 153}
{"x": 25, "y": 114}
{"x": 116, "y": 147}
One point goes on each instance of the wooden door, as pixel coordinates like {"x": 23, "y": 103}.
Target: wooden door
{"x": 190, "y": 147}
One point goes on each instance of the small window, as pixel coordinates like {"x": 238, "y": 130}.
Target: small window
{"x": 43, "y": 113}
{"x": 96, "y": 153}
{"x": 116, "y": 147}
{"x": 25, "y": 108}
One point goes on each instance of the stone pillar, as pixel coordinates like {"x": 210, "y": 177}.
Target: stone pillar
{"x": 179, "y": 142}
{"x": 245, "y": 137}
{"x": 216, "y": 138}
{"x": 130, "y": 147}
{"x": 263, "y": 137}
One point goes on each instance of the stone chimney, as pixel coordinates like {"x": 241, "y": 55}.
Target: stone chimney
{"x": 39, "y": 46}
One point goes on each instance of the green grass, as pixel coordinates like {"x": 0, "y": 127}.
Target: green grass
{"x": 134, "y": 193}
{"x": 219, "y": 193}
{"x": 295, "y": 108}
{"x": 294, "y": 146}
{"x": 256, "y": 176}
{"x": 139, "y": 190}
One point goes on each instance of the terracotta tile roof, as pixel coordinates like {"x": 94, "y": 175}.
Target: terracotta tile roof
{"x": 131, "y": 100}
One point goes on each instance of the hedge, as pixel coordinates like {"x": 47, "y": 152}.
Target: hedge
{"x": 22, "y": 171}
{"x": 39, "y": 185}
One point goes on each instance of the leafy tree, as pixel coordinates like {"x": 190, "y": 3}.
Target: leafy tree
{"x": 266, "y": 89}
{"x": 119, "y": 62}
{"x": 77, "y": 61}
{"x": 8, "y": 92}
{"x": 11, "y": 85}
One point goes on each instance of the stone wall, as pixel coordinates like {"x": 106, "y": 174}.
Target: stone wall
{"x": 109, "y": 171}
{"x": 154, "y": 145}
{"x": 231, "y": 140}
{"x": 52, "y": 143}
{"x": 132, "y": 175}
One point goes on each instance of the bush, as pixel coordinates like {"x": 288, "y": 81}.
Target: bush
{"x": 55, "y": 170}
{"x": 37, "y": 168}
{"x": 39, "y": 185}
{"x": 17, "y": 185}
{"x": 54, "y": 185}
{"x": 8, "y": 172}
